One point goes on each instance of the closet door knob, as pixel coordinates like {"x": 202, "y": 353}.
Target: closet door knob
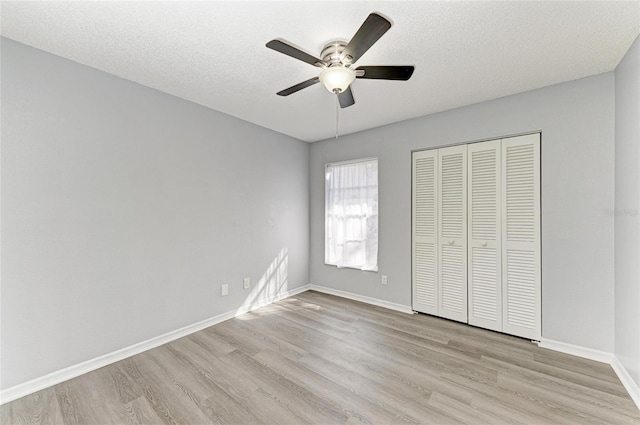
{"x": 483, "y": 244}
{"x": 451, "y": 242}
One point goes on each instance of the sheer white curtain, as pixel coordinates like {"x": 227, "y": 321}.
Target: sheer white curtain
{"x": 351, "y": 214}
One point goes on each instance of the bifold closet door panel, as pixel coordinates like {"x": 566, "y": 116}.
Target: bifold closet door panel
{"x": 484, "y": 239}
{"x": 425, "y": 234}
{"x": 452, "y": 228}
{"x": 521, "y": 269}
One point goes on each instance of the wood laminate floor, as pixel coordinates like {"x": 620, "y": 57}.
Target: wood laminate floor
{"x": 319, "y": 359}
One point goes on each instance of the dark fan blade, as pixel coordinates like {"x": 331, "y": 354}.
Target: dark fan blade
{"x": 294, "y": 52}
{"x": 297, "y": 87}
{"x": 346, "y": 98}
{"x": 386, "y": 72}
{"x": 371, "y": 30}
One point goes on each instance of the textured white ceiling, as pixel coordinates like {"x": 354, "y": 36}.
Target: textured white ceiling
{"x": 214, "y": 54}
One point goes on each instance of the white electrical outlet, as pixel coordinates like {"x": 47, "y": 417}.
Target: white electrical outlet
{"x": 246, "y": 283}
{"x": 224, "y": 290}
{"x": 384, "y": 279}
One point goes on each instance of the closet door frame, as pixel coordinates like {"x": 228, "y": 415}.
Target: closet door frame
{"x": 535, "y": 332}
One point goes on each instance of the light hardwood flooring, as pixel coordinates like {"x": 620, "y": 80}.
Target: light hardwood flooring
{"x": 319, "y": 359}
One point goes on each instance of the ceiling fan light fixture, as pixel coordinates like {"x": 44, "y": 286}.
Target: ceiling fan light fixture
{"x": 337, "y": 78}
{"x": 337, "y": 57}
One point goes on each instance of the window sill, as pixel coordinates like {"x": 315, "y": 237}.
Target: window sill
{"x": 375, "y": 270}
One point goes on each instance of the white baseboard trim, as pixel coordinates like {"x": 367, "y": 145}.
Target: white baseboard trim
{"x": 576, "y": 350}
{"x": 600, "y": 356}
{"x": 630, "y": 385}
{"x": 374, "y": 301}
{"x": 37, "y": 384}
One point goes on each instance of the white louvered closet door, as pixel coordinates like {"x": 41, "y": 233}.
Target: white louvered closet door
{"x": 452, "y": 227}
{"x": 484, "y": 240}
{"x": 424, "y": 222}
{"x": 521, "y": 268}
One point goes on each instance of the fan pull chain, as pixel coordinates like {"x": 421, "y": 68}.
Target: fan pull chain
{"x": 337, "y": 115}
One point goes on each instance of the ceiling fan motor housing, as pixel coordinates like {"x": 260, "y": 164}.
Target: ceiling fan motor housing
{"x": 332, "y": 52}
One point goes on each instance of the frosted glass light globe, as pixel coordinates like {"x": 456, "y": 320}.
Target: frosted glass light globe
{"x": 337, "y": 79}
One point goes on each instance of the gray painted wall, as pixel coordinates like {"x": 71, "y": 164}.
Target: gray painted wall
{"x": 124, "y": 209}
{"x": 577, "y": 124}
{"x": 627, "y": 218}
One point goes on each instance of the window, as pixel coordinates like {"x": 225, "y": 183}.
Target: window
{"x": 351, "y": 214}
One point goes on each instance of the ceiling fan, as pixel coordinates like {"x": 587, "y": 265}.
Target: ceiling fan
{"x": 338, "y": 58}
